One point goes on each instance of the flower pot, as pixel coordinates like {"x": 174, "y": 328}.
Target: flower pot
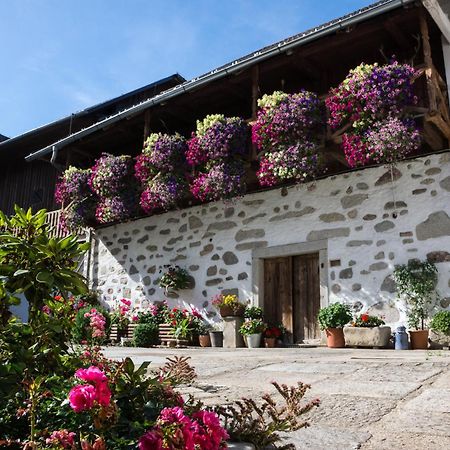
{"x": 204, "y": 340}
{"x": 335, "y": 338}
{"x": 419, "y": 339}
{"x": 227, "y": 311}
{"x": 254, "y": 340}
{"x": 270, "y": 342}
{"x": 367, "y": 336}
{"x": 216, "y": 338}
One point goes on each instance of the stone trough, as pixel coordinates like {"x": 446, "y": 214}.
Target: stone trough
{"x": 377, "y": 337}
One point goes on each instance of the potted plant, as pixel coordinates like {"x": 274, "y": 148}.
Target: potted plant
{"x": 367, "y": 331}
{"x": 332, "y": 319}
{"x": 440, "y": 330}
{"x": 173, "y": 279}
{"x": 253, "y": 312}
{"x": 271, "y": 335}
{"x": 252, "y": 330}
{"x": 216, "y": 335}
{"x": 416, "y": 282}
{"x": 228, "y": 305}
{"x": 203, "y": 330}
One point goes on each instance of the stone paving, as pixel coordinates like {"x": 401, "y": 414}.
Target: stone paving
{"x": 370, "y": 399}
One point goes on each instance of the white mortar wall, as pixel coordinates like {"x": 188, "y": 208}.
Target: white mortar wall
{"x": 354, "y": 212}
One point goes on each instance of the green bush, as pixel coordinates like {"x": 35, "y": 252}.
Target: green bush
{"x": 441, "y": 322}
{"x": 146, "y": 335}
{"x": 81, "y": 329}
{"x": 334, "y": 316}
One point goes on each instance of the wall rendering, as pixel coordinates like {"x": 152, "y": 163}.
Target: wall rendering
{"x": 368, "y": 220}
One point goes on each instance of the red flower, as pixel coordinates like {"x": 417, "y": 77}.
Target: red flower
{"x": 364, "y": 317}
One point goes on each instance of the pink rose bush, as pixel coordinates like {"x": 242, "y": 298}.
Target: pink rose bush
{"x": 97, "y": 322}
{"x": 286, "y": 131}
{"x": 62, "y": 439}
{"x": 372, "y": 100}
{"x": 174, "y": 429}
{"x": 84, "y": 397}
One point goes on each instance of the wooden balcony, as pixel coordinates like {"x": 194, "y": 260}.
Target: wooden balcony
{"x": 53, "y": 220}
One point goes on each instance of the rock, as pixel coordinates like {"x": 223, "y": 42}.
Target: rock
{"x": 142, "y": 239}
{"x": 388, "y": 285}
{"x": 389, "y": 313}
{"x": 214, "y": 282}
{"x": 329, "y": 233}
{"x": 229, "y": 258}
{"x": 352, "y": 214}
{"x": 332, "y": 217}
{"x": 228, "y": 212}
{"x": 133, "y": 270}
{"x": 357, "y": 307}
{"x": 386, "y": 177}
{"x": 378, "y": 266}
{"x": 346, "y": 273}
{"x": 194, "y": 267}
{"x": 293, "y": 214}
{"x": 395, "y": 205}
{"x": 379, "y": 255}
{"x": 253, "y": 218}
{"x": 221, "y": 226}
{"x": 253, "y": 202}
{"x": 195, "y": 222}
{"x": 211, "y": 271}
{"x": 438, "y": 256}
{"x": 437, "y": 225}
{"x": 369, "y": 217}
{"x": 242, "y": 276}
{"x": 384, "y": 226}
{"x": 251, "y": 245}
{"x": 174, "y": 240}
{"x": 165, "y": 231}
{"x": 350, "y": 201}
{"x": 445, "y": 183}
{"x": 243, "y": 235}
{"x": 124, "y": 240}
{"x": 418, "y": 191}
{"x": 358, "y": 243}
{"x": 356, "y": 287}
{"x": 445, "y": 302}
{"x": 335, "y": 288}
{"x": 207, "y": 249}
{"x": 194, "y": 244}
{"x": 147, "y": 280}
{"x": 362, "y": 186}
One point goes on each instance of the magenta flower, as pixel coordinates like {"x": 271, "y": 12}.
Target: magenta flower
{"x": 151, "y": 440}
{"x": 91, "y": 375}
{"x": 82, "y": 397}
{"x": 62, "y": 438}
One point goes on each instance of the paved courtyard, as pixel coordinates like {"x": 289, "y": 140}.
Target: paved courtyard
{"x": 370, "y": 399}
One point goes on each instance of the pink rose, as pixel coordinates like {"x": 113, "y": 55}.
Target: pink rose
{"x": 82, "y": 397}
{"x": 151, "y": 440}
{"x": 92, "y": 375}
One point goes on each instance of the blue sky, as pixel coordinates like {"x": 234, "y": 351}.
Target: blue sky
{"x": 60, "y": 56}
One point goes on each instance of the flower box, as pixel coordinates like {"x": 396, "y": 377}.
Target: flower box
{"x": 367, "y": 336}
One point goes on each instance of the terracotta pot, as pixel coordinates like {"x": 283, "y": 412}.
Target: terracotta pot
{"x": 270, "y": 342}
{"x": 227, "y": 311}
{"x": 335, "y": 338}
{"x": 419, "y": 339}
{"x": 205, "y": 340}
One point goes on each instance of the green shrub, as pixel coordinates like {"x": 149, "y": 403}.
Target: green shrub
{"x": 335, "y": 315}
{"x": 82, "y": 330}
{"x": 253, "y": 312}
{"x": 441, "y": 322}
{"x": 146, "y": 335}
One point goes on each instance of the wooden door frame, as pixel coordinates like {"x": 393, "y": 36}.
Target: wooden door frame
{"x": 304, "y": 248}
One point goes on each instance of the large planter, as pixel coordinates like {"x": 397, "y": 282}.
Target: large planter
{"x": 254, "y": 340}
{"x": 438, "y": 339}
{"x": 216, "y": 338}
{"x": 367, "y": 337}
{"x": 204, "y": 340}
{"x": 228, "y": 311}
{"x": 335, "y": 338}
{"x": 419, "y": 339}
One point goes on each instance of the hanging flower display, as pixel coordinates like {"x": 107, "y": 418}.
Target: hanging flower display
{"x": 222, "y": 181}
{"x": 372, "y": 100}
{"x": 160, "y": 170}
{"x": 72, "y": 193}
{"x": 110, "y": 175}
{"x": 286, "y": 130}
{"x": 162, "y": 193}
{"x": 215, "y": 151}
{"x": 384, "y": 142}
{"x": 286, "y": 119}
{"x": 112, "y": 209}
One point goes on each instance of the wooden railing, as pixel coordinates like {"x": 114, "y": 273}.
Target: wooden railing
{"x": 53, "y": 220}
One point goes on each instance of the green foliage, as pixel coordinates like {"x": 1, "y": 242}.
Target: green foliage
{"x": 34, "y": 264}
{"x": 367, "y": 321}
{"x": 253, "y": 312}
{"x": 416, "y": 283}
{"x": 335, "y": 315}
{"x": 146, "y": 335}
{"x": 441, "y": 322}
{"x": 82, "y": 332}
{"x": 252, "y": 326}
{"x": 174, "y": 278}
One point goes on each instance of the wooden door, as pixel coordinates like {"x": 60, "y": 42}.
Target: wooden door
{"x": 305, "y": 296}
{"x": 278, "y": 293}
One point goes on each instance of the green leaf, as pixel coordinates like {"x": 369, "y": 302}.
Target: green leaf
{"x": 19, "y": 272}
{"x": 45, "y": 277}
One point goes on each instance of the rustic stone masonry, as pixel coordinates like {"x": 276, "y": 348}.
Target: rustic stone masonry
{"x": 368, "y": 222}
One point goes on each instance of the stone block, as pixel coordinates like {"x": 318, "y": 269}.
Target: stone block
{"x": 367, "y": 337}
{"x": 438, "y": 339}
{"x": 231, "y": 336}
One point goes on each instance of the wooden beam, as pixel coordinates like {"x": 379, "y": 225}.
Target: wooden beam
{"x": 396, "y": 33}
{"x": 428, "y": 60}
{"x": 147, "y": 118}
{"x": 432, "y": 137}
{"x": 440, "y": 123}
{"x": 255, "y": 90}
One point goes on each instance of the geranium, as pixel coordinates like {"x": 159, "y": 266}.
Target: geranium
{"x": 385, "y": 142}
{"x": 295, "y": 163}
{"x": 369, "y": 93}
{"x": 221, "y": 181}
{"x": 163, "y": 193}
{"x": 112, "y": 209}
{"x": 286, "y": 119}
{"x": 109, "y": 174}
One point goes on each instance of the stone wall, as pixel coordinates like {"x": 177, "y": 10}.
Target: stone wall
{"x": 369, "y": 224}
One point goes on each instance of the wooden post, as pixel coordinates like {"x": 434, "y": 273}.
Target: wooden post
{"x": 428, "y": 61}
{"x": 147, "y": 118}
{"x": 255, "y": 96}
